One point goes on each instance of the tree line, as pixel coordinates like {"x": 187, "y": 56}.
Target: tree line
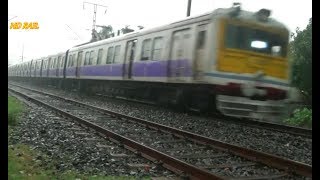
{"x": 108, "y": 32}
{"x": 300, "y": 54}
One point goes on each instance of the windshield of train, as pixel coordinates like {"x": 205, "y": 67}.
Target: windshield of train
{"x": 249, "y": 39}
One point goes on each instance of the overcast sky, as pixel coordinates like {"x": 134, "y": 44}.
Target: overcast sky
{"x": 65, "y": 23}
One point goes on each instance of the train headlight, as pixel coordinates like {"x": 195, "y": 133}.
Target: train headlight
{"x": 248, "y": 89}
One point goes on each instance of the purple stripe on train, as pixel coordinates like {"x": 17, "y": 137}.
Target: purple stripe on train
{"x": 160, "y": 68}
{"x": 52, "y": 72}
{"x": 139, "y": 69}
{"x": 71, "y": 71}
{"x": 61, "y": 72}
{"x": 102, "y": 70}
{"x": 37, "y": 73}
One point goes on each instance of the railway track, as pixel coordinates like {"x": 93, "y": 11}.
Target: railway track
{"x": 187, "y": 154}
{"x": 304, "y": 132}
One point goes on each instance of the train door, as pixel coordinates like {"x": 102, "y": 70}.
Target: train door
{"x": 79, "y": 60}
{"x": 130, "y": 53}
{"x": 180, "y": 52}
{"x": 199, "y": 60}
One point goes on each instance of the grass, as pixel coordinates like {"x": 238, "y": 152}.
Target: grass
{"x": 15, "y": 108}
{"x": 301, "y": 117}
{"x": 22, "y": 166}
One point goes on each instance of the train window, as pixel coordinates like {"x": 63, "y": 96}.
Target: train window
{"x": 54, "y": 62}
{"x": 276, "y": 50}
{"x": 86, "y": 60}
{"x": 75, "y": 60}
{"x": 55, "y": 66}
{"x": 146, "y": 49}
{"x": 69, "y": 60}
{"x": 99, "y": 56}
{"x": 74, "y": 63}
{"x": 157, "y": 47}
{"x": 116, "y": 56}
{"x": 49, "y": 62}
{"x": 109, "y": 55}
{"x": 255, "y": 40}
{"x": 201, "y": 40}
{"x": 72, "y": 60}
{"x": 59, "y": 62}
{"x": 91, "y": 57}
{"x": 181, "y": 44}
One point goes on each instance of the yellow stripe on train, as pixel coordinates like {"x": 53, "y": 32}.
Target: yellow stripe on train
{"x": 239, "y": 61}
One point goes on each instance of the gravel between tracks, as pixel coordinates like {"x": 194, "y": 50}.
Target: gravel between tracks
{"x": 67, "y": 147}
{"x": 285, "y": 145}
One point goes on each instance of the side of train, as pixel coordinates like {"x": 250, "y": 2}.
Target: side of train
{"x": 229, "y": 60}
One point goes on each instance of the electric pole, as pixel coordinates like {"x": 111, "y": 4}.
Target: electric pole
{"x": 95, "y": 6}
{"x": 189, "y": 8}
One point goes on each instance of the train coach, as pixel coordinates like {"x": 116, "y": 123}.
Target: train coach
{"x": 230, "y": 60}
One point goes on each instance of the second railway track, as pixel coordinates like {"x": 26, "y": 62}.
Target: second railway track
{"x": 185, "y": 153}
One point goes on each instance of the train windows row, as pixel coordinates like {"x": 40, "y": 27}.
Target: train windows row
{"x": 151, "y": 50}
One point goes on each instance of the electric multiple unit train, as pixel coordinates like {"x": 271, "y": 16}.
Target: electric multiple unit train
{"x": 229, "y": 60}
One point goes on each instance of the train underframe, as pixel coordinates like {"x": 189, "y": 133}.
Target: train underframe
{"x": 181, "y": 96}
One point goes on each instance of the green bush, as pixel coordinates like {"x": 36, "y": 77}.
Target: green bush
{"x": 14, "y": 110}
{"x": 301, "y": 117}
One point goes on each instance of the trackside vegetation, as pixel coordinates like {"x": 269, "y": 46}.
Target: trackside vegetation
{"x": 300, "y": 53}
{"x": 15, "y": 108}
{"x": 301, "y": 117}
{"x": 23, "y": 165}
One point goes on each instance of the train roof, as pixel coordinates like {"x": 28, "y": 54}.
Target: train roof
{"x": 221, "y": 12}
{"x": 217, "y": 13}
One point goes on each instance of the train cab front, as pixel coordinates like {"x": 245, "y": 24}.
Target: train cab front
{"x": 252, "y": 63}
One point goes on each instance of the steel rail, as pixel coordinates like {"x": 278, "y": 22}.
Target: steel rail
{"x": 287, "y": 165}
{"x": 268, "y": 159}
{"x": 179, "y": 167}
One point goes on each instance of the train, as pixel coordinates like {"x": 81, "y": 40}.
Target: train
{"x": 230, "y": 61}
